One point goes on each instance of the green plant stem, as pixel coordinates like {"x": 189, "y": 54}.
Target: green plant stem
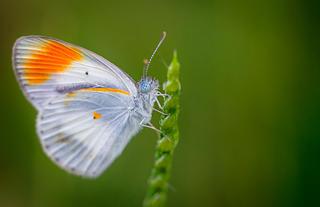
{"x": 158, "y": 182}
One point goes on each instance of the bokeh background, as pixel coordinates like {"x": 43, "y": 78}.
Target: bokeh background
{"x": 250, "y": 109}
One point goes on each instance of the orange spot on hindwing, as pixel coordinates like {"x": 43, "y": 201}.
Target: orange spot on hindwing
{"x": 53, "y": 58}
{"x": 96, "y": 115}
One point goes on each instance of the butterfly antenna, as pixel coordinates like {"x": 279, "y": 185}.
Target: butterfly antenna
{"x": 147, "y": 62}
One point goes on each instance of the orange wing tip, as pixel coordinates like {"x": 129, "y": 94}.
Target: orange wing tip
{"x": 51, "y": 58}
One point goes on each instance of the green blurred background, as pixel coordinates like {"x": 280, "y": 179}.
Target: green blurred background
{"x": 250, "y": 103}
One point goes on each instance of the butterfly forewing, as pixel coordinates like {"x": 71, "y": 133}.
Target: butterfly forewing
{"x": 47, "y": 67}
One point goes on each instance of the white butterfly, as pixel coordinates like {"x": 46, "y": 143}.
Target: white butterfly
{"x": 88, "y": 108}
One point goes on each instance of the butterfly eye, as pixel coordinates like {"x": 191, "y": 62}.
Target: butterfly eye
{"x": 144, "y": 86}
{"x": 147, "y": 85}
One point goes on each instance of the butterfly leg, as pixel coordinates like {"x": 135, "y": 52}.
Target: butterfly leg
{"x": 150, "y": 126}
{"x": 163, "y": 95}
{"x": 159, "y": 104}
{"x": 161, "y": 112}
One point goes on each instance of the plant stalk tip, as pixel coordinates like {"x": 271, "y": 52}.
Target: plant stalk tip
{"x": 158, "y": 182}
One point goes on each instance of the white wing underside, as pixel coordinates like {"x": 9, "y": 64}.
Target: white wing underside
{"x": 82, "y": 131}
{"x": 78, "y": 142}
{"x": 92, "y": 70}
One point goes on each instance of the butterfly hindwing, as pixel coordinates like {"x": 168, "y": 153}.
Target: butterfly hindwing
{"x": 84, "y": 131}
{"x": 46, "y": 67}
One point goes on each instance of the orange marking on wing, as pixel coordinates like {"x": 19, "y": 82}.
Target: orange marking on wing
{"x": 106, "y": 90}
{"x": 96, "y": 115}
{"x": 69, "y": 97}
{"x": 54, "y": 58}
{"x": 71, "y": 94}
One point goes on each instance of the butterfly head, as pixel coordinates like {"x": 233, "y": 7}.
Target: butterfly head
{"x": 147, "y": 85}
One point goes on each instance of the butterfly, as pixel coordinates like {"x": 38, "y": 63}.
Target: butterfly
{"x": 88, "y": 108}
